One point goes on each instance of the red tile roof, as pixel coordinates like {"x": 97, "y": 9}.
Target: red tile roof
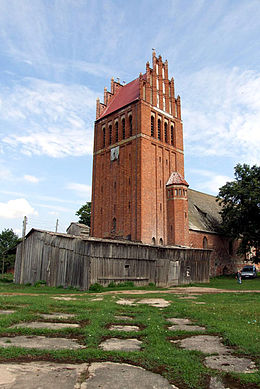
{"x": 176, "y": 178}
{"x": 126, "y": 95}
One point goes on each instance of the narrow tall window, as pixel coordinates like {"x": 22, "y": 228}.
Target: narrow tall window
{"x": 104, "y": 137}
{"x": 110, "y": 134}
{"x": 176, "y": 109}
{"x": 158, "y": 100}
{"x": 159, "y": 129}
{"x": 114, "y": 225}
{"x": 172, "y": 139}
{"x": 205, "y": 242}
{"x": 130, "y": 126}
{"x": 116, "y": 131}
{"x": 152, "y": 126}
{"x": 123, "y": 128}
{"x": 166, "y": 132}
{"x": 164, "y": 105}
{"x": 144, "y": 94}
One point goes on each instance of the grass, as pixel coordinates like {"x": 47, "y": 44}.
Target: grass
{"x": 230, "y": 282}
{"x": 233, "y": 316}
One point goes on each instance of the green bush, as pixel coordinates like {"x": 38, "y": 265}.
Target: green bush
{"x": 111, "y": 284}
{"x": 40, "y": 283}
{"x": 128, "y": 284}
{"x": 96, "y": 287}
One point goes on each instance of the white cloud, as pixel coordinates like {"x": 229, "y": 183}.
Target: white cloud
{"x": 209, "y": 180}
{"x": 17, "y": 208}
{"x": 80, "y": 189}
{"x": 31, "y": 179}
{"x": 5, "y": 173}
{"x": 221, "y": 114}
{"x": 45, "y": 118}
{"x": 53, "y": 213}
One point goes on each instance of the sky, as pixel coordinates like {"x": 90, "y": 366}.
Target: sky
{"x": 56, "y": 57}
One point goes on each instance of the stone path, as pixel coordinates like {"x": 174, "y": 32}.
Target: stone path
{"x": 123, "y": 318}
{"x": 224, "y": 361}
{"x": 121, "y": 344}
{"x": 184, "y": 325}
{"x": 108, "y": 375}
{"x": 156, "y": 302}
{"x": 122, "y": 376}
{"x": 41, "y": 375}
{"x": 6, "y": 312}
{"x": 127, "y": 328}
{"x": 39, "y": 342}
{"x": 42, "y": 324}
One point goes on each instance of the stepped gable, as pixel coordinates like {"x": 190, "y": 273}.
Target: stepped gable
{"x": 204, "y": 212}
{"x": 125, "y": 95}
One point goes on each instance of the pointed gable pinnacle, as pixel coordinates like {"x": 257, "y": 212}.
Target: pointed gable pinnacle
{"x": 176, "y": 179}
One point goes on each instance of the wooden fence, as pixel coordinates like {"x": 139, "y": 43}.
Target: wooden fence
{"x": 68, "y": 260}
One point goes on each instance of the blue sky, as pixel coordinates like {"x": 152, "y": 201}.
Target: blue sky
{"x": 57, "y": 56}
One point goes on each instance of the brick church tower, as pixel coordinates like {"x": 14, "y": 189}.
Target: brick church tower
{"x": 138, "y": 189}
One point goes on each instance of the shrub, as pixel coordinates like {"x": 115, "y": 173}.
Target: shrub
{"x": 40, "y": 283}
{"x": 96, "y": 287}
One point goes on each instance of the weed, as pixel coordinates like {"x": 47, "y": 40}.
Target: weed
{"x": 39, "y": 283}
{"x": 96, "y": 287}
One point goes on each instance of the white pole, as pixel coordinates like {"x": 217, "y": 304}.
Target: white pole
{"x": 22, "y": 255}
{"x": 57, "y": 223}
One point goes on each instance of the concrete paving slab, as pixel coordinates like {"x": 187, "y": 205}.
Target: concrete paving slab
{"x": 198, "y": 302}
{"x": 121, "y": 344}
{"x": 42, "y": 324}
{"x": 40, "y": 342}
{"x": 126, "y": 302}
{"x": 159, "y": 302}
{"x": 109, "y": 375}
{"x": 179, "y": 321}
{"x": 123, "y": 317}
{"x": 207, "y": 344}
{"x": 97, "y": 299}
{"x": 41, "y": 375}
{"x": 57, "y": 315}
{"x": 215, "y": 383}
{"x": 230, "y": 363}
{"x": 187, "y": 297}
{"x": 6, "y": 311}
{"x": 126, "y": 328}
{"x": 184, "y": 327}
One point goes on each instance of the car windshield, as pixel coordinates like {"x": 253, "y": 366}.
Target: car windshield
{"x": 248, "y": 268}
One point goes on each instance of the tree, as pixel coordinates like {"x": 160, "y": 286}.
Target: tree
{"x": 8, "y": 240}
{"x": 84, "y": 213}
{"x": 240, "y": 201}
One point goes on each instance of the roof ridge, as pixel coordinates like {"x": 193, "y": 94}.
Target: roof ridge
{"x": 128, "y": 90}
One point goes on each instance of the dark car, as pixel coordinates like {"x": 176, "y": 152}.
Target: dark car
{"x": 249, "y": 271}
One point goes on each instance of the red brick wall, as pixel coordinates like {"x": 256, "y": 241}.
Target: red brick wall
{"x": 133, "y": 188}
{"x": 222, "y": 260}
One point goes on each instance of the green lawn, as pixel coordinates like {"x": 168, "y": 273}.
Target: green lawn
{"x": 230, "y": 282}
{"x": 234, "y": 316}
